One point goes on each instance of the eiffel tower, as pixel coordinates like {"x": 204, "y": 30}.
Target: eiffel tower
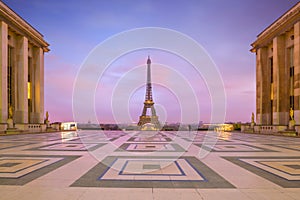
{"x": 149, "y": 104}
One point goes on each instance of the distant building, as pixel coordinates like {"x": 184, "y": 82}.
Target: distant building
{"x": 68, "y": 126}
{"x": 22, "y": 51}
{"x": 277, "y": 50}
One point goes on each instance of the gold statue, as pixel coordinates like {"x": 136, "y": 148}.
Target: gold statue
{"x": 252, "y": 118}
{"x": 291, "y": 113}
{"x": 47, "y": 116}
{"x": 10, "y": 112}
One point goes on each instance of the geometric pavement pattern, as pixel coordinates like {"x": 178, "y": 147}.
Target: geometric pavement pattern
{"x": 158, "y": 172}
{"x": 19, "y": 170}
{"x": 284, "y": 171}
{"x": 152, "y": 159}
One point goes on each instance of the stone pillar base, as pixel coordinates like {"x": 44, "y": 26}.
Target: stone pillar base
{"x": 10, "y": 123}
{"x": 12, "y": 130}
{"x": 10, "y": 127}
{"x": 292, "y": 125}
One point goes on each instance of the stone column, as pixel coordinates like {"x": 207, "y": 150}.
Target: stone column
{"x": 281, "y": 77}
{"x": 258, "y": 88}
{"x": 21, "y": 112}
{"x": 297, "y": 72}
{"x": 38, "y": 85}
{"x": 262, "y": 87}
{"x": 3, "y": 74}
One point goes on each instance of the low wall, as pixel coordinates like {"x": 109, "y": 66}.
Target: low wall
{"x": 269, "y": 129}
{"x": 31, "y": 127}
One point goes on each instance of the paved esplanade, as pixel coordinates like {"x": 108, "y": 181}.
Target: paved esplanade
{"x": 148, "y": 165}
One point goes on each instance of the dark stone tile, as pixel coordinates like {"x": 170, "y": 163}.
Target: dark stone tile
{"x": 93, "y": 177}
{"x": 265, "y": 174}
{"x": 293, "y": 166}
{"x": 9, "y": 164}
{"x": 36, "y": 173}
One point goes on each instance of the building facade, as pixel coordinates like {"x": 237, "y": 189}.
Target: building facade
{"x": 22, "y": 51}
{"x": 277, "y": 51}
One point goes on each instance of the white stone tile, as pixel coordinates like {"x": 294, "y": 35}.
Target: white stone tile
{"x": 41, "y": 193}
{"x": 178, "y": 194}
{"x": 117, "y": 194}
{"x": 8, "y": 192}
{"x": 266, "y": 194}
{"x": 217, "y": 194}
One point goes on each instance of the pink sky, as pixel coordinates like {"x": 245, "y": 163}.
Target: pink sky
{"x": 225, "y": 29}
